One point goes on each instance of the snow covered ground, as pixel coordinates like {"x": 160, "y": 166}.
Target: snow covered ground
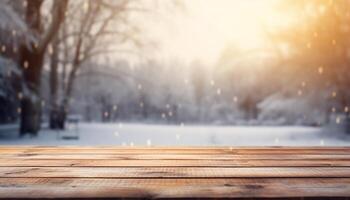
{"x": 162, "y": 135}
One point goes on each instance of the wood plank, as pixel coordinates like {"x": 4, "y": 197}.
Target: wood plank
{"x": 169, "y": 163}
{"x": 174, "y": 172}
{"x": 151, "y": 150}
{"x": 173, "y": 188}
{"x": 121, "y": 156}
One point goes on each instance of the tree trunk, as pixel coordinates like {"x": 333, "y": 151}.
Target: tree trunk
{"x": 55, "y": 112}
{"x": 31, "y": 103}
{"x": 31, "y": 60}
{"x": 30, "y": 117}
{"x": 63, "y": 108}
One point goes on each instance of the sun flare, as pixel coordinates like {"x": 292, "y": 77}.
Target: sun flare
{"x": 208, "y": 27}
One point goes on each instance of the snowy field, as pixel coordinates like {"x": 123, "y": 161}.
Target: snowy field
{"x": 162, "y": 135}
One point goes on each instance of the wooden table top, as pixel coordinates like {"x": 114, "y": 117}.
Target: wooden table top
{"x": 173, "y": 172}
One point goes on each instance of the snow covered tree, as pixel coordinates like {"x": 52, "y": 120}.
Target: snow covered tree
{"x": 13, "y": 32}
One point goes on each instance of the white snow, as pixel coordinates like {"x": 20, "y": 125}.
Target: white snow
{"x": 163, "y": 135}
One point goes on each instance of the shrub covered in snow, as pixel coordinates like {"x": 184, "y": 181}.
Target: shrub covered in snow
{"x": 280, "y": 110}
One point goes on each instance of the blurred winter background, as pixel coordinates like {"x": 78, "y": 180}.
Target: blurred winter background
{"x": 175, "y": 72}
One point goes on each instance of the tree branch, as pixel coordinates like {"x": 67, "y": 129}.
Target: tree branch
{"x": 59, "y": 9}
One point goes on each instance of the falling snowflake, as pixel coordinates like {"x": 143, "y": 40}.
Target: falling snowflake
{"x": 300, "y": 92}
{"x": 163, "y": 115}
{"x": 303, "y": 84}
{"x": 20, "y": 95}
{"x": 334, "y": 42}
{"x": 106, "y": 114}
{"x": 50, "y": 49}
{"x": 218, "y": 91}
{"x": 25, "y": 64}
{"x": 115, "y": 107}
{"x": 212, "y": 82}
{"x": 320, "y": 70}
{"x": 334, "y": 94}
{"x": 116, "y": 133}
{"x": 322, "y": 142}
{"x": 177, "y": 136}
{"x": 338, "y": 120}
{"x": 308, "y": 45}
{"x": 149, "y": 142}
{"x": 235, "y": 99}
{"x": 86, "y": 6}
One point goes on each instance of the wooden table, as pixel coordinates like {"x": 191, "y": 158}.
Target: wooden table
{"x": 173, "y": 172}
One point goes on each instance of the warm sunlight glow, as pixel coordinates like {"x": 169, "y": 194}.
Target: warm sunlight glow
{"x": 205, "y": 28}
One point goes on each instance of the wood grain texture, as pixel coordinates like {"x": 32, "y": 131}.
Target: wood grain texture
{"x": 169, "y": 163}
{"x": 174, "y": 172}
{"x": 172, "y": 188}
{"x": 135, "y": 156}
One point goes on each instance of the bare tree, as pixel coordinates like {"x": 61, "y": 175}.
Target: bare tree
{"x": 32, "y": 59}
{"x": 88, "y": 36}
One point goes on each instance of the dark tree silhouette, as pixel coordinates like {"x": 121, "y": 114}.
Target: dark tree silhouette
{"x": 32, "y": 58}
